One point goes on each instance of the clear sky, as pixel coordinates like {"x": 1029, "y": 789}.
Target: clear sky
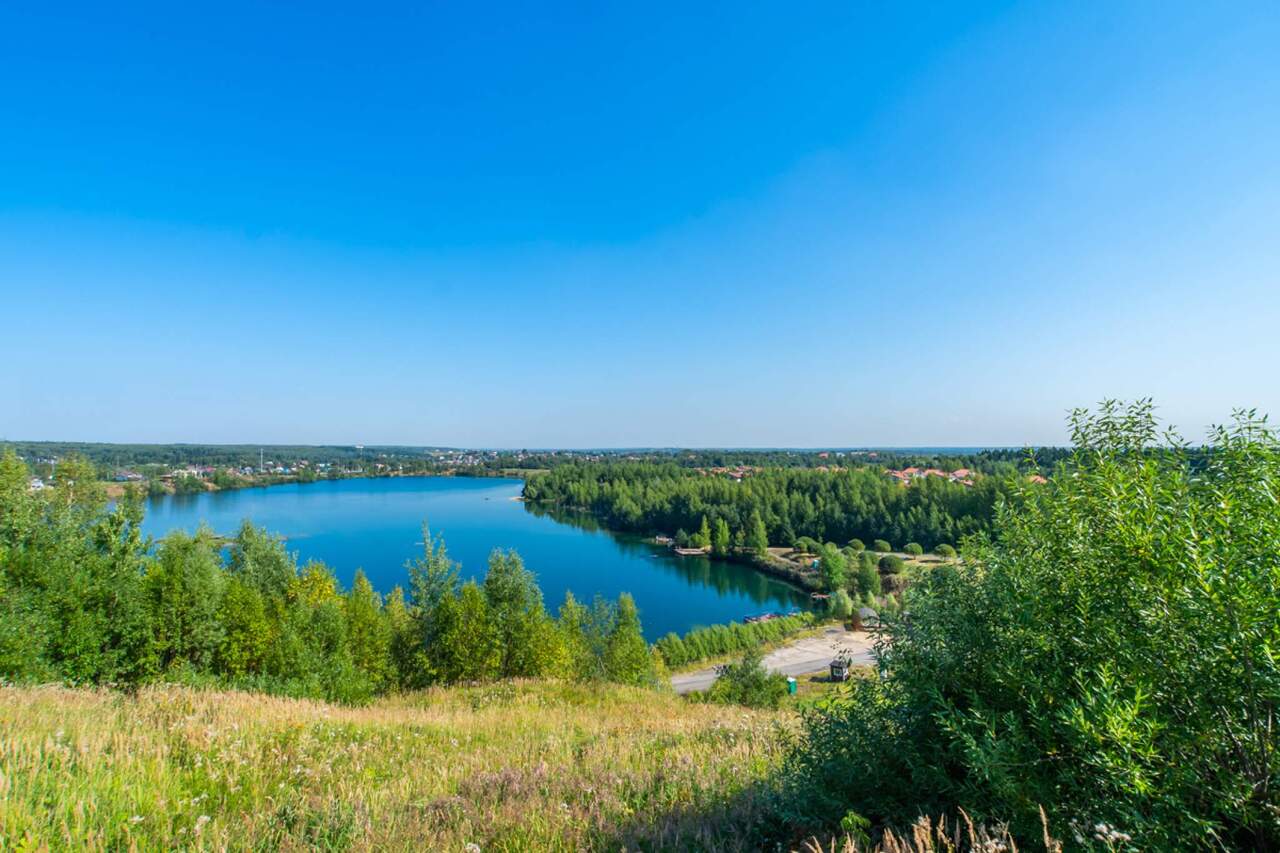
{"x": 743, "y": 224}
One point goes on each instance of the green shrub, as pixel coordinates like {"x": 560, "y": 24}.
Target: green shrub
{"x": 748, "y": 683}
{"x": 857, "y": 545}
{"x": 881, "y": 547}
{"x": 945, "y": 550}
{"x": 1107, "y": 654}
{"x": 913, "y": 548}
{"x": 840, "y": 605}
{"x": 891, "y": 565}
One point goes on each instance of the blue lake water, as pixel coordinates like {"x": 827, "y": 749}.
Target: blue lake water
{"x": 375, "y": 524}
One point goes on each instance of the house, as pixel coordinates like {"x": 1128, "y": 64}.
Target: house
{"x": 36, "y": 485}
{"x": 840, "y": 670}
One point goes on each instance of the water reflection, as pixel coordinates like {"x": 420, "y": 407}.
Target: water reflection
{"x": 724, "y": 577}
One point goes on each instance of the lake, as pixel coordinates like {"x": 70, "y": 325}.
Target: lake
{"x": 375, "y": 524}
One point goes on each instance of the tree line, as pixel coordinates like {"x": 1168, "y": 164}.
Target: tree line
{"x": 715, "y": 640}
{"x": 774, "y": 506}
{"x": 86, "y": 599}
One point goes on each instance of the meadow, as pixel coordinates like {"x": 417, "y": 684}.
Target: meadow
{"x": 509, "y": 766}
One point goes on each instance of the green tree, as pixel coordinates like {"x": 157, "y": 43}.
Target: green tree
{"x": 702, "y": 539}
{"x": 840, "y": 605}
{"x": 184, "y": 587}
{"x": 368, "y": 633}
{"x": 527, "y": 640}
{"x": 880, "y": 546}
{"x": 627, "y": 657}
{"x": 867, "y": 579}
{"x": 831, "y": 567}
{"x": 463, "y": 647}
{"x": 720, "y": 538}
{"x": 913, "y": 548}
{"x": 945, "y": 550}
{"x": 247, "y": 632}
{"x": 857, "y": 545}
{"x": 757, "y": 535}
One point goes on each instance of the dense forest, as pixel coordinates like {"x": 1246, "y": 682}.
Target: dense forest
{"x": 828, "y": 506}
{"x": 85, "y": 599}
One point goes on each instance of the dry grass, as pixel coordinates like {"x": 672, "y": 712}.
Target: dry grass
{"x": 521, "y": 766}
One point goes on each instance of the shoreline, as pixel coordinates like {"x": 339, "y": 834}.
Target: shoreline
{"x": 769, "y": 565}
{"x": 115, "y": 490}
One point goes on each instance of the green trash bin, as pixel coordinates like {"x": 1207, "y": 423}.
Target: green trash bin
{"x": 792, "y": 687}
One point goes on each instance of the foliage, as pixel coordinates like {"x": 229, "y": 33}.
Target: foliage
{"x": 704, "y": 643}
{"x": 880, "y": 546}
{"x": 792, "y": 504}
{"x": 890, "y": 564}
{"x": 84, "y": 599}
{"x": 1108, "y": 653}
{"x": 831, "y": 568}
{"x": 757, "y": 535}
{"x": 866, "y": 577}
{"x": 626, "y": 654}
{"x": 747, "y": 682}
{"x": 913, "y": 548}
{"x": 840, "y": 605}
{"x": 945, "y": 550}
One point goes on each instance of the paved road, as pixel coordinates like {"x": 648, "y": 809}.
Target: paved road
{"x": 803, "y": 656}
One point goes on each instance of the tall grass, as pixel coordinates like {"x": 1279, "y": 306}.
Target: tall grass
{"x": 511, "y": 766}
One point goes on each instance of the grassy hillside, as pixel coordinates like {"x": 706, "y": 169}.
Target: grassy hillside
{"x": 514, "y": 766}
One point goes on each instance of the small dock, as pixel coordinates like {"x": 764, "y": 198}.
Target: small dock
{"x": 690, "y": 552}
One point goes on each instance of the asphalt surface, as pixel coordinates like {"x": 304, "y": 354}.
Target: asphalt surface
{"x": 806, "y": 655}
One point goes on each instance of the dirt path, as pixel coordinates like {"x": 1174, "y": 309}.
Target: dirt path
{"x": 808, "y": 654}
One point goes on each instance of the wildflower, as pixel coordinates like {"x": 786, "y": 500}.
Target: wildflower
{"x": 201, "y": 821}
{"x": 472, "y": 847}
{"x": 136, "y": 819}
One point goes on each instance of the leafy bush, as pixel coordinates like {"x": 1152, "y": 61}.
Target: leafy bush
{"x": 840, "y": 605}
{"x": 891, "y": 565}
{"x": 945, "y": 550}
{"x": 748, "y": 683}
{"x": 881, "y": 547}
{"x": 913, "y": 548}
{"x": 1108, "y": 653}
{"x": 857, "y": 545}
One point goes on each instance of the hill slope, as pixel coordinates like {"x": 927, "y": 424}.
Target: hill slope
{"x": 541, "y": 765}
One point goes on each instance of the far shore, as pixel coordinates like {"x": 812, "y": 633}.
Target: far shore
{"x": 117, "y": 490}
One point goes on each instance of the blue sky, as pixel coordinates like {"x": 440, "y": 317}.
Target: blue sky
{"x": 742, "y": 224}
